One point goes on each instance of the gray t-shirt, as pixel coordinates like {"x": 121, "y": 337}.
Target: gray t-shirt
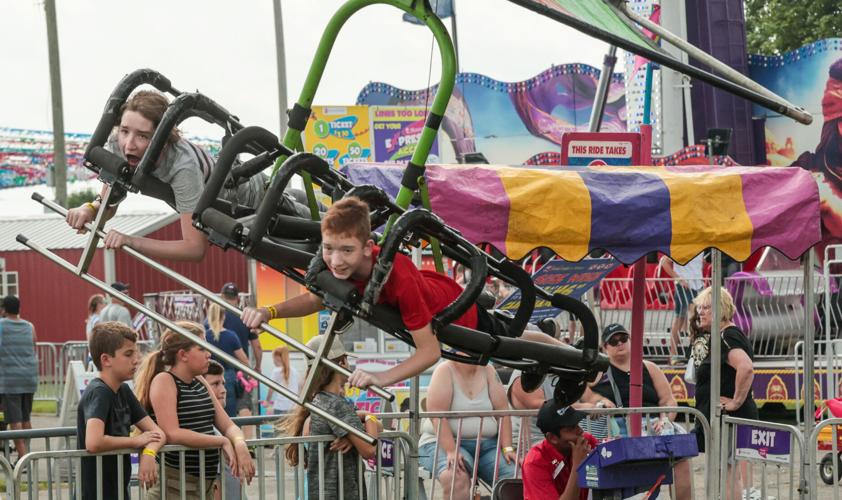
{"x": 344, "y": 410}
{"x": 183, "y": 166}
{"x": 116, "y": 312}
{"x": 186, "y": 167}
{"x": 19, "y": 366}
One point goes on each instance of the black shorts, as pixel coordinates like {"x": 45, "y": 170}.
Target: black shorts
{"x": 488, "y": 323}
{"x": 17, "y": 407}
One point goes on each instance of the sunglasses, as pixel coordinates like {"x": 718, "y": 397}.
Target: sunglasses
{"x": 620, "y": 338}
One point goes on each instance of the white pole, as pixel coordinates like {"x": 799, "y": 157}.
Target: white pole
{"x": 280, "y": 57}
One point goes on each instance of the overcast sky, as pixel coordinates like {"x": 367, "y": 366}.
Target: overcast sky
{"x": 226, "y": 49}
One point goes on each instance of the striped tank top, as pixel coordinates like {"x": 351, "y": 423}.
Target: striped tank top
{"x": 195, "y": 412}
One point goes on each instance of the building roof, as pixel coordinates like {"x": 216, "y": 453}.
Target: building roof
{"x": 52, "y": 232}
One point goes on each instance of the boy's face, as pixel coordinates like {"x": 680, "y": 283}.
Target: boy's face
{"x": 346, "y": 256}
{"x": 217, "y": 384}
{"x": 124, "y": 362}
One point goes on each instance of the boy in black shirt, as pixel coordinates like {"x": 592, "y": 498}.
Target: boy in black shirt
{"x": 107, "y": 411}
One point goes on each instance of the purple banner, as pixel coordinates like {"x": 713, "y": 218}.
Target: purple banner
{"x": 395, "y": 132}
{"x": 769, "y": 445}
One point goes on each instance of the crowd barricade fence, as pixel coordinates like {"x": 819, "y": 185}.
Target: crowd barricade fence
{"x": 776, "y": 449}
{"x": 273, "y": 478}
{"x": 50, "y": 376}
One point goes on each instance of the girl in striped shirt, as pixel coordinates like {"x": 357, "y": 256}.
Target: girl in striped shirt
{"x": 171, "y": 378}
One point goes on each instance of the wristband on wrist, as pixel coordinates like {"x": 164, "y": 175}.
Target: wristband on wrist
{"x": 91, "y": 206}
{"x": 273, "y": 313}
{"x": 151, "y": 453}
{"x": 372, "y": 418}
{"x": 508, "y": 449}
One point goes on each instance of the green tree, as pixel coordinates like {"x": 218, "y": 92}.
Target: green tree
{"x": 774, "y": 27}
{"x": 77, "y": 198}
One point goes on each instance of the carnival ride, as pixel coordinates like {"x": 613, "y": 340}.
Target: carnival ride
{"x": 626, "y": 212}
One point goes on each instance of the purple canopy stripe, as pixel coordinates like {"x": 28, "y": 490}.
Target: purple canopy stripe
{"x": 628, "y": 211}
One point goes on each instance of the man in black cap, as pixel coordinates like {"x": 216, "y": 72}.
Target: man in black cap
{"x": 117, "y": 310}
{"x": 549, "y": 469}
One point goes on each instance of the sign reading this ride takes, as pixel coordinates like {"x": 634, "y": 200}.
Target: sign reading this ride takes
{"x": 594, "y": 149}
{"x": 339, "y": 134}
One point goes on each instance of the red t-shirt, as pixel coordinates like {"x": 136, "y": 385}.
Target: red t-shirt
{"x": 418, "y": 294}
{"x": 546, "y": 472}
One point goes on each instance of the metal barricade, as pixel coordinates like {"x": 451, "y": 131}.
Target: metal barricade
{"x": 273, "y": 479}
{"x": 769, "y": 310}
{"x": 824, "y": 441}
{"x": 826, "y": 387}
{"x": 522, "y": 441}
{"x": 49, "y": 373}
{"x": 766, "y": 445}
{"x": 615, "y": 307}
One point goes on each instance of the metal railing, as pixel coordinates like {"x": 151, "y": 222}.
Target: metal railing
{"x": 770, "y": 310}
{"x": 272, "y": 479}
{"x": 825, "y": 440}
{"x": 767, "y": 445}
{"x": 50, "y": 378}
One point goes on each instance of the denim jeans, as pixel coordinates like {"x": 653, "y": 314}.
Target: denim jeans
{"x": 467, "y": 448}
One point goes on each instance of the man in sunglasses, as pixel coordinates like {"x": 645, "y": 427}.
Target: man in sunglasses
{"x": 613, "y": 391}
{"x": 549, "y": 469}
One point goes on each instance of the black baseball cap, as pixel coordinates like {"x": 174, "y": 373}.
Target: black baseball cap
{"x": 553, "y": 416}
{"x": 120, "y": 287}
{"x": 611, "y": 330}
{"x": 230, "y": 289}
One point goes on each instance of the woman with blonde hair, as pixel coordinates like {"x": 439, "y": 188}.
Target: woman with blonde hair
{"x": 229, "y": 342}
{"x": 736, "y": 368}
{"x": 285, "y": 375}
{"x": 171, "y": 379}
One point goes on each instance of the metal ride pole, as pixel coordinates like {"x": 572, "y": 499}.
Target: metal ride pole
{"x": 795, "y": 112}
{"x": 218, "y": 300}
{"x": 715, "y": 375}
{"x": 280, "y": 58}
{"x": 809, "y": 360}
{"x": 200, "y": 341}
{"x": 608, "y": 63}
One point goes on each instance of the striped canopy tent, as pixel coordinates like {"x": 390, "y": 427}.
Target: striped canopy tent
{"x": 628, "y": 212}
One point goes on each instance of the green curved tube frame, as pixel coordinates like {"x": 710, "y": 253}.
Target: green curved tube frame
{"x": 418, "y": 8}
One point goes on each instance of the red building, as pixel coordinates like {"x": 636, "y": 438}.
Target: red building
{"x": 55, "y": 300}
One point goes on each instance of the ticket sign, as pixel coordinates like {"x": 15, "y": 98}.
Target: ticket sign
{"x": 339, "y": 134}
{"x": 763, "y": 444}
{"x": 593, "y": 149}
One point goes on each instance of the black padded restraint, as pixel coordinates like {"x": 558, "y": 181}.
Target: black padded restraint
{"x": 298, "y": 117}
{"x": 411, "y": 175}
{"x": 434, "y": 121}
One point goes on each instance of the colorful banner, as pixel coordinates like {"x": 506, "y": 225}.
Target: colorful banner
{"x": 26, "y": 156}
{"x": 810, "y": 76}
{"x": 339, "y": 134}
{"x": 627, "y": 211}
{"x": 511, "y": 123}
{"x": 272, "y": 287}
{"x": 567, "y": 278}
{"x": 395, "y": 132}
{"x": 764, "y": 444}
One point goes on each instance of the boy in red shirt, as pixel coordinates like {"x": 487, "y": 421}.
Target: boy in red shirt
{"x": 350, "y": 253}
{"x": 549, "y": 469}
